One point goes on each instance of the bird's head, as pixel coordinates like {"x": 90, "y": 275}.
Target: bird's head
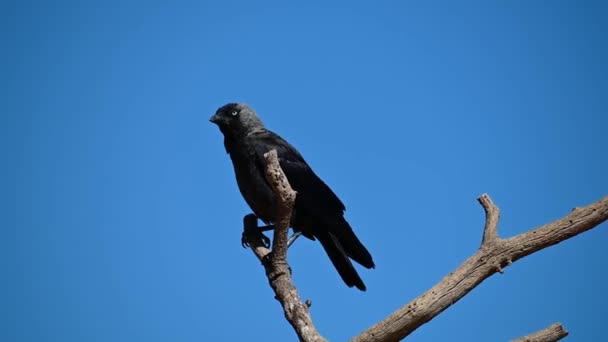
{"x": 236, "y": 119}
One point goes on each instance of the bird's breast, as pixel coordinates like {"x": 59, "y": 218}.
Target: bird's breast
{"x": 252, "y": 184}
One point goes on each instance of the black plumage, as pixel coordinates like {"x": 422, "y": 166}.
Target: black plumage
{"x": 318, "y": 212}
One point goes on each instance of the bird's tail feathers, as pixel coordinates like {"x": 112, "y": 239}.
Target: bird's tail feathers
{"x": 339, "y": 257}
{"x": 351, "y": 245}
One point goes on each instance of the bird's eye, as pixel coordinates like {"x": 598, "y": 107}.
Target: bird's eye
{"x": 234, "y": 113}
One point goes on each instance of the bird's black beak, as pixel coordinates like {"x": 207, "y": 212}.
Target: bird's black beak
{"x": 215, "y": 119}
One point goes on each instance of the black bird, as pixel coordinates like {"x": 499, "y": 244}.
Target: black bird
{"x": 318, "y": 213}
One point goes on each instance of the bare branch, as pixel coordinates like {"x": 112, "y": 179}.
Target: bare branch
{"x": 493, "y": 255}
{"x": 275, "y": 261}
{"x": 490, "y": 231}
{"x": 551, "y": 333}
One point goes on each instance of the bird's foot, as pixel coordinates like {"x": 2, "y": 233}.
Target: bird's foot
{"x": 254, "y": 235}
{"x": 251, "y": 232}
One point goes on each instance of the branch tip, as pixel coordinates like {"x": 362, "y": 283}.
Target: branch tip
{"x": 490, "y": 231}
{"x": 552, "y": 333}
{"x": 286, "y": 197}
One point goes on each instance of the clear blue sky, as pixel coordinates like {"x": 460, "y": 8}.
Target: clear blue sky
{"x": 124, "y": 220}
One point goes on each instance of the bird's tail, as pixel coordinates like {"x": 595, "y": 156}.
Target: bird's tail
{"x": 341, "y": 244}
{"x": 351, "y": 244}
{"x": 340, "y": 259}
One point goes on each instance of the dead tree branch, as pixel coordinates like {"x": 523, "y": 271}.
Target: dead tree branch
{"x": 275, "y": 261}
{"x": 490, "y": 231}
{"x": 493, "y": 255}
{"x": 552, "y": 333}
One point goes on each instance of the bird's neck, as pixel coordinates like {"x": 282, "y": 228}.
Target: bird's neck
{"x": 235, "y": 138}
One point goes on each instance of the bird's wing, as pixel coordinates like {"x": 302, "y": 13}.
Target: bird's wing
{"x": 321, "y": 208}
{"x": 314, "y": 195}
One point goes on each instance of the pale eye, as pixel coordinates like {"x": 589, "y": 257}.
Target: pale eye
{"x": 234, "y": 113}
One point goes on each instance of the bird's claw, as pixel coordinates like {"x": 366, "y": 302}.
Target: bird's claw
{"x": 251, "y": 232}
{"x": 254, "y": 235}
{"x": 265, "y": 240}
{"x": 244, "y": 241}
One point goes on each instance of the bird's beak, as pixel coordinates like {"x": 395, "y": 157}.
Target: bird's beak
{"x": 215, "y": 119}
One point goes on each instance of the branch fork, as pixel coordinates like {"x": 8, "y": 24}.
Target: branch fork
{"x": 493, "y": 255}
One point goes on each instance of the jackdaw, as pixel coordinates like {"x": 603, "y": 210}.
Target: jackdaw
{"x": 317, "y": 214}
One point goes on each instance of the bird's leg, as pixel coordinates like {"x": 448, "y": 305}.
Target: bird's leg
{"x": 266, "y": 228}
{"x": 252, "y": 232}
{"x": 293, "y": 238}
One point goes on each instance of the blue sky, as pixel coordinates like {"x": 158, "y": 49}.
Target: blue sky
{"x": 123, "y": 215}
